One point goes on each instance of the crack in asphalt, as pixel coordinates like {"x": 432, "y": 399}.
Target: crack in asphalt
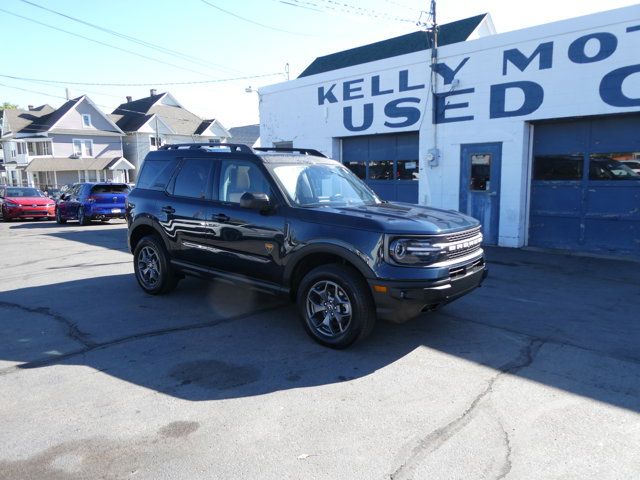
{"x": 506, "y": 468}
{"x": 561, "y": 343}
{"x": 77, "y": 265}
{"x": 129, "y": 338}
{"x": 73, "y": 331}
{"x": 437, "y": 438}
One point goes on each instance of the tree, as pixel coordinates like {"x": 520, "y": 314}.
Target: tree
{"x": 8, "y": 106}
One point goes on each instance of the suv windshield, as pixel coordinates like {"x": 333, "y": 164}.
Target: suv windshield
{"x": 23, "y": 192}
{"x": 319, "y": 185}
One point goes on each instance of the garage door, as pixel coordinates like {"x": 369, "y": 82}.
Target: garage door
{"x": 585, "y": 191}
{"x": 387, "y": 163}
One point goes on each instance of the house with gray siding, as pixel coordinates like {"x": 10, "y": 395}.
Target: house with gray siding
{"x": 46, "y": 147}
{"x": 159, "y": 119}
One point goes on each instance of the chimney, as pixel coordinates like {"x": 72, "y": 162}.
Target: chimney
{"x": 152, "y": 92}
{"x": 30, "y": 107}
{"x": 129, "y": 98}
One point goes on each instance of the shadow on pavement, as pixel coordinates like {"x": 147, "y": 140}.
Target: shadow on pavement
{"x": 565, "y": 322}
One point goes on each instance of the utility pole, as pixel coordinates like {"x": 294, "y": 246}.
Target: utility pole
{"x": 435, "y": 154}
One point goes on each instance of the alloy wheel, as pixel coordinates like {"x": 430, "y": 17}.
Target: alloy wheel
{"x": 149, "y": 267}
{"x": 329, "y": 309}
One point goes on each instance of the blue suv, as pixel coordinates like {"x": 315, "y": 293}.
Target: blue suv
{"x": 293, "y": 222}
{"x": 92, "y": 201}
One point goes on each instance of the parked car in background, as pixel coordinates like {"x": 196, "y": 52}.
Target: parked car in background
{"x": 25, "y": 202}
{"x": 92, "y": 201}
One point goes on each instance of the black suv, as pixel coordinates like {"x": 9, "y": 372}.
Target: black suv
{"x": 294, "y": 222}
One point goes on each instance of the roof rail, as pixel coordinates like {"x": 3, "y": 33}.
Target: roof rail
{"x": 233, "y": 147}
{"x": 303, "y": 151}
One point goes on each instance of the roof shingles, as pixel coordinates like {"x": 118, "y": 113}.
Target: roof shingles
{"x": 449, "y": 33}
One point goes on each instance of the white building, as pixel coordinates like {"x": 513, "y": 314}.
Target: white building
{"x": 535, "y": 132}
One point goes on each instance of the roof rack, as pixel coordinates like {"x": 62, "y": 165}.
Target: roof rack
{"x": 233, "y": 147}
{"x": 303, "y": 151}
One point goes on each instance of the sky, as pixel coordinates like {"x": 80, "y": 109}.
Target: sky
{"x": 228, "y": 45}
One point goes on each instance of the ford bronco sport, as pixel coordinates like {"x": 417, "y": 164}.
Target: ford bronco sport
{"x": 294, "y": 222}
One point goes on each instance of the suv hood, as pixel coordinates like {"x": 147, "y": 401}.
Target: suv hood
{"x": 396, "y": 218}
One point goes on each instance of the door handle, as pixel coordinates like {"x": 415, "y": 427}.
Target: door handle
{"x": 493, "y": 194}
{"x": 221, "y": 217}
{"x": 168, "y": 209}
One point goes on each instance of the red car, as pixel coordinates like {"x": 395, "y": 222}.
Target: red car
{"x": 25, "y": 202}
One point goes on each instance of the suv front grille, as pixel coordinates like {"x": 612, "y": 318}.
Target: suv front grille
{"x": 461, "y": 244}
{"x": 461, "y": 236}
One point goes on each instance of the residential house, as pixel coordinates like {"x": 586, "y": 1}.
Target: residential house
{"x": 46, "y": 147}
{"x": 248, "y": 135}
{"x": 159, "y": 119}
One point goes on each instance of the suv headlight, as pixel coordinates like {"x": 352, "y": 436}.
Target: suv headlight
{"x": 414, "y": 251}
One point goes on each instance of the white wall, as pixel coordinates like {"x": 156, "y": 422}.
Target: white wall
{"x": 571, "y": 87}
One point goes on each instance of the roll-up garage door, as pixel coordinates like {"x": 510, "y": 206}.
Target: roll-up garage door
{"x": 387, "y": 163}
{"x": 585, "y": 192}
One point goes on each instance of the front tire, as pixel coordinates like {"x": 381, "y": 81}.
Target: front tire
{"x": 152, "y": 266}
{"x": 59, "y": 218}
{"x": 336, "y": 306}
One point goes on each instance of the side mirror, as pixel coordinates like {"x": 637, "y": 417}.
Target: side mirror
{"x": 255, "y": 201}
{"x": 62, "y": 197}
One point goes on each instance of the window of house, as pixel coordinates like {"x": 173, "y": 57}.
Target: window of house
{"x": 156, "y": 141}
{"x": 22, "y": 148}
{"x": 284, "y": 144}
{"x": 13, "y": 150}
{"x": 86, "y": 120}
{"x": 83, "y": 148}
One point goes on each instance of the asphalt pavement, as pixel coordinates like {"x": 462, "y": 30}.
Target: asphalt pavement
{"x": 534, "y": 376}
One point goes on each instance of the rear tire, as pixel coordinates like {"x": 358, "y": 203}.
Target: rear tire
{"x": 82, "y": 219}
{"x": 336, "y": 306}
{"x": 152, "y": 267}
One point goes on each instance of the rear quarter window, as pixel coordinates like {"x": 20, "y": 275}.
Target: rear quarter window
{"x": 156, "y": 173}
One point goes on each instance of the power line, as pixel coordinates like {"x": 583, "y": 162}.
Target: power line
{"x": 159, "y": 48}
{"x": 195, "y": 82}
{"x": 43, "y": 93}
{"x": 32, "y": 91}
{"x": 331, "y": 6}
{"x": 256, "y": 23}
{"x": 99, "y": 42}
{"x": 43, "y": 82}
{"x": 398, "y": 4}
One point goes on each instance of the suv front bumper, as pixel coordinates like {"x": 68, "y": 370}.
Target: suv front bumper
{"x": 399, "y": 301}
